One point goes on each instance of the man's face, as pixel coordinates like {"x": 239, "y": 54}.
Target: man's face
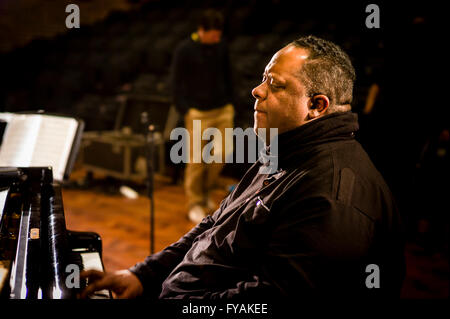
{"x": 280, "y": 98}
{"x": 210, "y": 36}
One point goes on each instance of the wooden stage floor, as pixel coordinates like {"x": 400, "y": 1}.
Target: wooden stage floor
{"x": 124, "y": 223}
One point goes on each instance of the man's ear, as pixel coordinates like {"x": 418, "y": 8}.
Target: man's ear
{"x": 318, "y": 106}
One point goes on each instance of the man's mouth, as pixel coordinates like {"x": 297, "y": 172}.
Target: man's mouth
{"x": 259, "y": 110}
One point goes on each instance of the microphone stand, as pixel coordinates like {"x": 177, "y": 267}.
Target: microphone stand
{"x": 149, "y": 138}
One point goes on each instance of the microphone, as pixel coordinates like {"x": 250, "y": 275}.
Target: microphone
{"x": 144, "y": 122}
{"x": 148, "y": 130}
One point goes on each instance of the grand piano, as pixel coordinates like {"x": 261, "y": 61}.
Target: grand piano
{"x": 39, "y": 257}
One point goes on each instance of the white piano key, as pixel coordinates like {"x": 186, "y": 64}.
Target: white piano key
{"x": 92, "y": 261}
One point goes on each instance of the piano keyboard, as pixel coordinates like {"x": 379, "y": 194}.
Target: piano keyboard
{"x": 91, "y": 260}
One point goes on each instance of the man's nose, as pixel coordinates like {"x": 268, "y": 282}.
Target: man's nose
{"x": 259, "y": 92}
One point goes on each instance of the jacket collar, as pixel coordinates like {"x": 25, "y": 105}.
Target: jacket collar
{"x": 332, "y": 127}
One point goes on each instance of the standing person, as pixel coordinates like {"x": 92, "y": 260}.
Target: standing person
{"x": 324, "y": 224}
{"x": 202, "y": 91}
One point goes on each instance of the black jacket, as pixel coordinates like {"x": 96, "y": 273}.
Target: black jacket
{"x": 200, "y": 76}
{"x": 310, "y": 229}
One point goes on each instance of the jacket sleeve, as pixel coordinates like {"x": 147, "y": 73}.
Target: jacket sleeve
{"x": 278, "y": 265}
{"x": 155, "y": 268}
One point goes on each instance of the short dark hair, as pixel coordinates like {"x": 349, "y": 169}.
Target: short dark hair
{"x": 210, "y": 19}
{"x": 328, "y": 70}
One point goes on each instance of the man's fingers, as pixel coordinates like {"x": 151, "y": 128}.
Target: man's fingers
{"x": 91, "y": 288}
{"x": 122, "y": 283}
{"x": 126, "y": 294}
{"x": 92, "y": 274}
{"x": 99, "y": 284}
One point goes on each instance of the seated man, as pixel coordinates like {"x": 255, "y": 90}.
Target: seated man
{"x": 325, "y": 223}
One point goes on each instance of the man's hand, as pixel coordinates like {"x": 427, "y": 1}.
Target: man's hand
{"x": 123, "y": 283}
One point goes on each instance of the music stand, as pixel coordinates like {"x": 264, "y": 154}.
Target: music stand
{"x": 149, "y": 137}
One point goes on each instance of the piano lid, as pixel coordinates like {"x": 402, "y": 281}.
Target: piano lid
{"x": 9, "y": 175}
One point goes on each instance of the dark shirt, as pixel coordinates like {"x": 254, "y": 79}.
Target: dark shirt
{"x": 311, "y": 228}
{"x": 200, "y": 76}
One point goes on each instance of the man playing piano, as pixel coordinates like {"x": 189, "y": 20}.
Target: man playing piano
{"x": 324, "y": 224}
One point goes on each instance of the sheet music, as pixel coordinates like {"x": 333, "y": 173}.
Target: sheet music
{"x": 54, "y": 143}
{"x": 19, "y": 140}
{"x": 38, "y": 140}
